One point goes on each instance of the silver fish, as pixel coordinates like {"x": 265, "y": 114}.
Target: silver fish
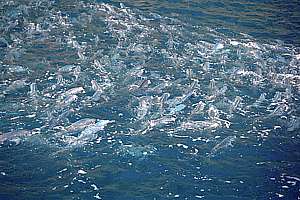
{"x": 279, "y": 110}
{"x": 212, "y": 87}
{"x": 95, "y": 85}
{"x": 144, "y": 107}
{"x": 100, "y": 125}
{"x": 294, "y": 124}
{"x": 213, "y": 112}
{"x": 90, "y": 131}
{"x": 200, "y": 125}
{"x": 16, "y": 85}
{"x": 68, "y": 100}
{"x": 235, "y": 104}
{"x": 186, "y": 96}
{"x": 97, "y": 95}
{"x": 60, "y": 79}
{"x": 162, "y": 121}
{"x": 277, "y": 97}
{"x": 88, "y": 134}
{"x": 14, "y": 135}
{"x": 60, "y": 118}
{"x": 81, "y": 124}
{"x": 227, "y": 142}
{"x": 67, "y": 68}
{"x": 33, "y": 90}
{"x": 261, "y": 99}
{"x": 199, "y": 108}
{"x": 73, "y": 91}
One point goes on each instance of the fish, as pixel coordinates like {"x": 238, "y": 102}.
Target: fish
{"x": 60, "y": 118}
{"x": 95, "y": 86}
{"x": 60, "y": 79}
{"x": 218, "y": 47}
{"x": 213, "y": 112}
{"x": 68, "y": 100}
{"x": 277, "y": 97}
{"x": 77, "y": 72}
{"x": 235, "y": 104}
{"x": 279, "y": 110}
{"x": 67, "y": 68}
{"x": 81, "y": 124}
{"x": 260, "y": 100}
{"x": 293, "y": 124}
{"x": 162, "y": 102}
{"x": 276, "y": 100}
{"x": 179, "y": 100}
{"x": 16, "y": 85}
{"x": 212, "y": 87}
{"x": 186, "y": 96}
{"x": 144, "y": 107}
{"x": 225, "y": 143}
{"x": 97, "y": 96}
{"x": 199, "y": 108}
{"x": 162, "y": 121}
{"x": 200, "y": 125}
{"x": 137, "y": 151}
{"x": 17, "y": 69}
{"x": 12, "y": 136}
{"x": 88, "y": 133}
{"x": 158, "y": 89}
{"x": 99, "y": 126}
{"x": 73, "y": 91}
{"x": 99, "y": 93}
{"x": 134, "y": 72}
{"x": 33, "y": 90}
{"x": 217, "y": 93}
{"x": 139, "y": 85}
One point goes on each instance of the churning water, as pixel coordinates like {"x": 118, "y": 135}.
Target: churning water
{"x": 149, "y": 100}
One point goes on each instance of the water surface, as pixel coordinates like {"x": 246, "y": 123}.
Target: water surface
{"x": 139, "y": 100}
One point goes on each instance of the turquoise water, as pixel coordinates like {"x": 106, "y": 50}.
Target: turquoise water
{"x": 149, "y": 100}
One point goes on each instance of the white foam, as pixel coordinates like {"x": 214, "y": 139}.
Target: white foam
{"x": 81, "y": 172}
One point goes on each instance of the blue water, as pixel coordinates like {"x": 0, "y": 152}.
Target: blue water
{"x": 149, "y": 100}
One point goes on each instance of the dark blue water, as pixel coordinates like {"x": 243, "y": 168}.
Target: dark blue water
{"x": 149, "y": 100}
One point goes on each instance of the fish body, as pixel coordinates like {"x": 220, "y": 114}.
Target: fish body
{"x": 97, "y": 96}
{"x": 16, "y": 85}
{"x": 68, "y": 100}
{"x": 294, "y": 124}
{"x": 81, "y": 124}
{"x": 11, "y": 136}
{"x": 212, "y": 87}
{"x": 74, "y": 91}
{"x": 60, "y": 118}
{"x": 33, "y": 91}
{"x": 186, "y": 96}
{"x": 162, "y": 120}
{"x": 260, "y": 100}
{"x": 225, "y": 143}
{"x": 213, "y": 112}
{"x": 67, "y": 68}
{"x": 95, "y": 85}
{"x": 99, "y": 126}
{"x": 144, "y": 107}
{"x": 89, "y": 133}
{"x": 199, "y": 108}
{"x": 200, "y": 125}
{"x": 235, "y": 104}
{"x": 279, "y": 110}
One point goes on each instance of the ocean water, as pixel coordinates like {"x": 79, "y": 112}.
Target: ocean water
{"x": 149, "y": 100}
